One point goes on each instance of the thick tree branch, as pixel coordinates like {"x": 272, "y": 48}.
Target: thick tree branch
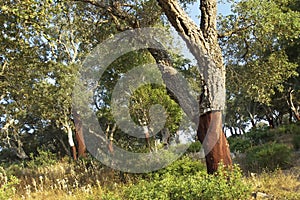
{"x": 187, "y": 29}
{"x": 205, "y": 48}
{"x": 176, "y": 86}
{"x": 208, "y": 18}
{"x": 114, "y": 9}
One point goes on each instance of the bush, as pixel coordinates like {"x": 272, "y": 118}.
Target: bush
{"x": 181, "y": 167}
{"x": 200, "y": 185}
{"x": 44, "y": 158}
{"x": 194, "y": 147}
{"x": 260, "y": 136}
{"x": 239, "y": 144}
{"x": 293, "y": 128}
{"x": 296, "y": 142}
{"x": 7, "y": 189}
{"x": 268, "y": 156}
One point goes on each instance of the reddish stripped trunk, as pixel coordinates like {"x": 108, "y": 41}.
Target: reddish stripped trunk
{"x": 74, "y": 152}
{"x": 79, "y": 137}
{"x": 220, "y": 151}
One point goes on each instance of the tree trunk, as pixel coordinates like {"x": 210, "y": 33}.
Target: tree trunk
{"x": 79, "y": 135}
{"x": 166, "y": 137}
{"x": 210, "y": 129}
{"x": 147, "y": 137}
{"x": 270, "y": 121}
{"x": 290, "y": 102}
{"x": 203, "y": 43}
{"x": 111, "y": 139}
{"x": 70, "y": 140}
{"x": 231, "y": 130}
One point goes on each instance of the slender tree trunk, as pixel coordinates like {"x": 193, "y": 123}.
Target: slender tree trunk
{"x": 270, "y": 121}
{"x": 290, "y": 102}
{"x": 71, "y": 140}
{"x": 251, "y": 113}
{"x": 147, "y": 137}
{"x": 111, "y": 139}
{"x": 166, "y": 137}
{"x": 79, "y": 135}
{"x": 203, "y": 44}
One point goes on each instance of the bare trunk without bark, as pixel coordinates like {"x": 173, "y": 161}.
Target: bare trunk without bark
{"x": 79, "y": 135}
{"x": 219, "y": 152}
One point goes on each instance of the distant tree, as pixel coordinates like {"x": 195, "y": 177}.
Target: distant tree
{"x": 261, "y": 71}
{"x": 40, "y": 54}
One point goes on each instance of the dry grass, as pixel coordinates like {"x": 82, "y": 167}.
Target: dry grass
{"x": 278, "y": 184}
{"x": 90, "y": 180}
{"x": 64, "y": 180}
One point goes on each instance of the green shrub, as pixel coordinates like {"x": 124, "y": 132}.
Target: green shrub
{"x": 296, "y": 142}
{"x": 239, "y": 144}
{"x": 268, "y": 156}
{"x": 260, "y": 136}
{"x": 181, "y": 167}
{"x": 7, "y": 185}
{"x": 200, "y": 185}
{"x": 194, "y": 147}
{"x": 293, "y": 128}
{"x": 44, "y": 158}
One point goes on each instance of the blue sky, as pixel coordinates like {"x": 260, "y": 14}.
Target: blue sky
{"x": 194, "y": 11}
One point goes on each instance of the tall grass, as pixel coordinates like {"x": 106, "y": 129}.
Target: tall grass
{"x": 184, "y": 179}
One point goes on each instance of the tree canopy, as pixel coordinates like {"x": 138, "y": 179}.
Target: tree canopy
{"x": 44, "y": 42}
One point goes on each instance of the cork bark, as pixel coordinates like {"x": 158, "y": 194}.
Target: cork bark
{"x": 202, "y": 41}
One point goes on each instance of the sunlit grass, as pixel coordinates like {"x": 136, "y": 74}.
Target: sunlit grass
{"x": 278, "y": 184}
{"x": 88, "y": 179}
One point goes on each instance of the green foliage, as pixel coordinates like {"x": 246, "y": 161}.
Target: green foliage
{"x": 260, "y": 136}
{"x": 7, "y": 185}
{"x": 292, "y": 129}
{"x": 44, "y": 158}
{"x": 264, "y": 135}
{"x": 194, "y": 147}
{"x": 266, "y": 30}
{"x": 239, "y": 144}
{"x": 268, "y": 156}
{"x": 149, "y": 95}
{"x": 260, "y": 48}
{"x": 181, "y": 167}
{"x": 296, "y": 142}
{"x": 224, "y": 185}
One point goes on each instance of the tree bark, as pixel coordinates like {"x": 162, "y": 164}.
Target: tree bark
{"x": 203, "y": 43}
{"x": 219, "y": 152}
{"x": 71, "y": 140}
{"x": 79, "y": 135}
{"x": 290, "y": 102}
